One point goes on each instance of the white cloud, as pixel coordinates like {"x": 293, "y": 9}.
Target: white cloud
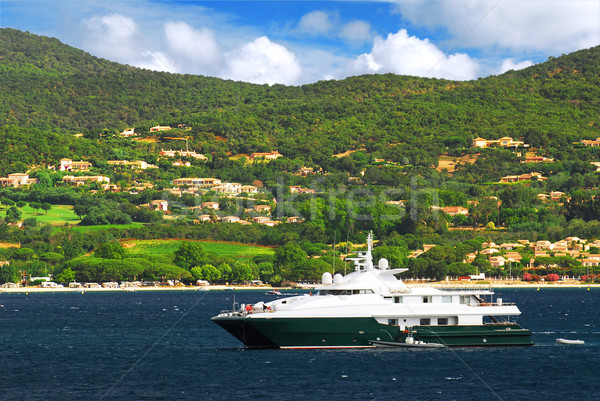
{"x": 509, "y": 64}
{"x": 402, "y": 54}
{"x": 117, "y": 38}
{"x": 526, "y": 25}
{"x": 356, "y": 31}
{"x": 112, "y": 36}
{"x": 263, "y": 61}
{"x": 317, "y": 23}
{"x": 196, "y": 46}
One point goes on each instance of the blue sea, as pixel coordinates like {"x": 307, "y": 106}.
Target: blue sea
{"x": 162, "y": 346}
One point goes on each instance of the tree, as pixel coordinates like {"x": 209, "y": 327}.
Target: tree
{"x": 46, "y": 206}
{"x": 110, "y": 250}
{"x": 287, "y": 257}
{"x": 210, "y": 273}
{"x": 8, "y": 274}
{"x": 7, "y": 202}
{"x": 65, "y": 276}
{"x": 190, "y": 254}
{"x": 35, "y": 206}
{"x": 241, "y": 272}
{"x": 12, "y": 215}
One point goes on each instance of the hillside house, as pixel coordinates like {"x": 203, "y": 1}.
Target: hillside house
{"x": 210, "y": 205}
{"x": 135, "y": 165}
{"x": 82, "y": 180}
{"x": 158, "y": 128}
{"x": 593, "y": 143}
{"x": 181, "y": 163}
{"x": 262, "y": 209}
{"x": 296, "y": 189}
{"x": 182, "y": 153}
{"x": 295, "y": 219}
{"x": 455, "y": 211}
{"x": 197, "y": 182}
{"x": 266, "y": 155}
{"x": 249, "y": 189}
{"x": 158, "y": 204}
{"x": 506, "y": 142}
{"x": 17, "y": 180}
{"x": 523, "y": 178}
{"x": 128, "y": 132}
{"x": 537, "y": 159}
{"x": 70, "y": 165}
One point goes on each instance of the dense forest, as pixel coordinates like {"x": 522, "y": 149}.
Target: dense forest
{"x": 393, "y": 131}
{"x": 52, "y": 91}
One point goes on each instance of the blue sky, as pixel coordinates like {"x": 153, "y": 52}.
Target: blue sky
{"x": 298, "y": 42}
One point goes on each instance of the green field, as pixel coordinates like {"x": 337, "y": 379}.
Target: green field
{"x": 58, "y": 215}
{"x": 222, "y": 249}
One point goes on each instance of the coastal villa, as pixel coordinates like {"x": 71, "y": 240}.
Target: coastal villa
{"x": 182, "y": 153}
{"x": 160, "y": 128}
{"x": 497, "y": 261}
{"x": 266, "y": 155}
{"x": 295, "y": 219}
{"x": 230, "y": 219}
{"x": 139, "y": 164}
{"x": 70, "y": 165}
{"x": 17, "y": 180}
{"x": 506, "y": 142}
{"x": 523, "y": 178}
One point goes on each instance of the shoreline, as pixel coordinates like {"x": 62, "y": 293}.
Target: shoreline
{"x": 497, "y": 285}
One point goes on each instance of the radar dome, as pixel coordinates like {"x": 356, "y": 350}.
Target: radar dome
{"x": 326, "y": 279}
{"x": 384, "y": 264}
{"x": 338, "y": 279}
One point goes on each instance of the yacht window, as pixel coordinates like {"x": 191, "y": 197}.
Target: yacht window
{"x": 393, "y": 322}
{"x": 465, "y": 299}
{"x": 447, "y": 299}
{"x": 345, "y": 292}
{"x": 425, "y": 322}
{"x": 398, "y": 300}
{"x": 427, "y": 299}
{"x": 442, "y": 321}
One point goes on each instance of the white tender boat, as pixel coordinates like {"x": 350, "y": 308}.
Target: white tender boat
{"x": 371, "y": 305}
{"x": 569, "y": 342}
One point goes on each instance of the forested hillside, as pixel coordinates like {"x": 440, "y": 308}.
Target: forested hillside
{"x": 51, "y": 91}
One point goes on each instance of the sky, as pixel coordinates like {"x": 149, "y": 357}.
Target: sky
{"x": 299, "y": 42}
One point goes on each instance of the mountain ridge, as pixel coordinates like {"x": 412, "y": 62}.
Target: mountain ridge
{"x": 54, "y": 90}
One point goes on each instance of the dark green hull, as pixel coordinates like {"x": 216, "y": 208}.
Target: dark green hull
{"x": 359, "y": 332}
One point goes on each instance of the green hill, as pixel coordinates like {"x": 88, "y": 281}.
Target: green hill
{"x": 51, "y": 91}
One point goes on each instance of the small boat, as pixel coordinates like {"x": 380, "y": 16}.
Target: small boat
{"x": 569, "y": 342}
{"x": 273, "y": 292}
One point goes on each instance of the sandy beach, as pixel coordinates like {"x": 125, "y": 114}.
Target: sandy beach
{"x": 492, "y": 284}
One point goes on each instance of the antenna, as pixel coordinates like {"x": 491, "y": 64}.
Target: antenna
{"x": 333, "y": 257}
